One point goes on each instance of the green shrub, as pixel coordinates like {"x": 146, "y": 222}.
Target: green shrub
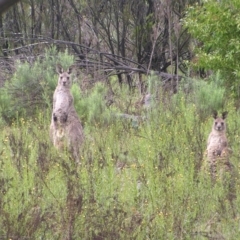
{"x": 32, "y": 86}
{"x": 91, "y": 106}
{"x": 215, "y": 26}
{"x": 207, "y": 96}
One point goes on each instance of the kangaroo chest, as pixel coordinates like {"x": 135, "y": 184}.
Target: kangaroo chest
{"x": 63, "y": 99}
{"x": 216, "y": 144}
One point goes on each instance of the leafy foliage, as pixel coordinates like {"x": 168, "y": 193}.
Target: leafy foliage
{"x": 215, "y": 25}
{"x": 207, "y": 96}
{"x": 91, "y": 105}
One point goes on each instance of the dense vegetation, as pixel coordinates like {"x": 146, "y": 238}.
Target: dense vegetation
{"x": 143, "y": 171}
{"x": 216, "y": 26}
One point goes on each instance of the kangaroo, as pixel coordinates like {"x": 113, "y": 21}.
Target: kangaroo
{"x": 62, "y": 97}
{"x": 62, "y": 100}
{"x": 217, "y": 144}
{"x": 58, "y": 129}
{"x": 74, "y": 134}
{"x": 66, "y": 128}
{"x": 218, "y": 157}
{"x": 67, "y": 131}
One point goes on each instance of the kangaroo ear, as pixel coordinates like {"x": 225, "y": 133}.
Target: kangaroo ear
{"x": 59, "y": 68}
{"x": 215, "y": 114}
{"x": 70, "y": 69}
{"x": 224, "y": 114}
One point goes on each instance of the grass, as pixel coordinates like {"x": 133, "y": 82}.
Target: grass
{"x": 159, "y": 192}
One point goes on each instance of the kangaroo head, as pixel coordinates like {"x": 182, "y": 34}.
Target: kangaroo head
{"x": 64, "y": 76}
{"x": 219, "y": 122}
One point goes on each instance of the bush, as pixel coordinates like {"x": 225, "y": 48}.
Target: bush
{"x": 215, "y": 26}
{"x": 32, "y": 86}
{"x": 91, "y": 106}
{"x": 207, "y": 96}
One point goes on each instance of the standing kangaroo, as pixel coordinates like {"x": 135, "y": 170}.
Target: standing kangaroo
{"x": 217, "y": 146}
{"x": 62, "y": 97}
{"x": 218, "y": 157}
{"x": 62, "y": 100}
{"x": 66, "y": 128}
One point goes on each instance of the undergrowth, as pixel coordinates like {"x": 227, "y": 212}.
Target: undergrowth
{"x": 136, "y": 180}
{"x": 132, "y": 183}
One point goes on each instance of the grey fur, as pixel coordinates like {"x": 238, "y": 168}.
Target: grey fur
{"x": 66, "y": 129}
{"x": 217, "y": 145}
{"x": 62, "y": 97}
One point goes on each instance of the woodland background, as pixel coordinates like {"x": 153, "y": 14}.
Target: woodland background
{"x": 141, "y": 175}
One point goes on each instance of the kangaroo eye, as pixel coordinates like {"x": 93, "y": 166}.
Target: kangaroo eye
{"x": 61, "y": 78}
{"x": 215, "y": 123}
{"x": 67, "y": 78}
{"x": 222, "y": 123}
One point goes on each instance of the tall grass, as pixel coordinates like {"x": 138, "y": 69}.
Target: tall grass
{"x": 159, "y": 192}
{"x": 134, "y": 182}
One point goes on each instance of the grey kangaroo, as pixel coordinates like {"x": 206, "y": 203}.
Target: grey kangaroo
{"x": 217, "y": 144}
{"x": 66, "y": 128}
